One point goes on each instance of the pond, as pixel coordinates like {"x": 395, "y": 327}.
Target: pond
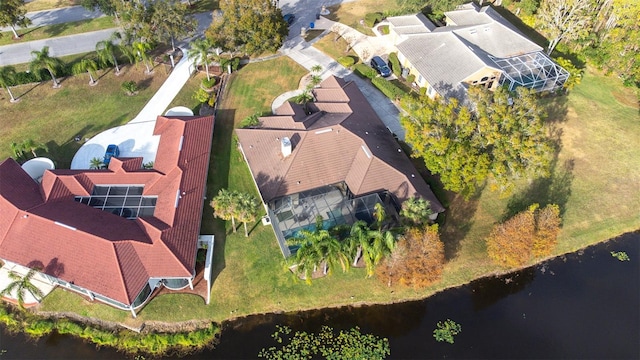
{"x": 582, "y": 305}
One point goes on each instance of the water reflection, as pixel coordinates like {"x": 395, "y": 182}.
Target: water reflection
{"x": 489, "y": 291}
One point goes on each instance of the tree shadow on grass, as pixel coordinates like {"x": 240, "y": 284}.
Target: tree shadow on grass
{"x": 458, "y": 221}
{"x": 144, "y": 84}
{"x": 19, "y": 96}
{"x": 556, "y": 189}
{"x": 218, "y": 178}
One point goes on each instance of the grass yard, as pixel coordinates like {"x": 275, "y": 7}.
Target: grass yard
{"x": 351, "y": 13}
{"x": 37, "y": 5}
{"x": 335, "y": 49}
{"x": 595, "y": 181}
{"x": 56, "y": 117}
{"x": 50, "y": 31}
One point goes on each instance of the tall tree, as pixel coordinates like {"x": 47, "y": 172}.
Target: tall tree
{"x": 416, "y": 211}
{"x": 20, "y": 285}
{"x": 248, "y": 209}
{"x": 224, "y": 206}
{"x": 12, "y": 14}
{"x": 200, "y": 52}
{"x": 502, "y": 139}
{"x": 42, "y": 60}
{"x": 564, "y": 20}
{"x": 141, "y": 51}
{"x": 87, "y": 65}
{"x": 547, "y": 229}
{"x": 171, "y": 21}
{"x": 135, "y": 19}
{"x": 417, "y": 260}
{"x": 106, "y": 50}
{"x": 249, "y": 26}
{"x": 7, "y": 77}
{"x": 108, "y": 7}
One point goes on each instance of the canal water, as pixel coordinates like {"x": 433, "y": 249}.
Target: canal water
{"x": 582, "y": 305}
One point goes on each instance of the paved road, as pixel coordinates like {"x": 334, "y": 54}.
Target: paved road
{"x": 59, "y": 16}
{"x": 59, "y": 46}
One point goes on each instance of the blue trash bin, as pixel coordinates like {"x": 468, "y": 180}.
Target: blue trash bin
{"x": 311, "y": 25}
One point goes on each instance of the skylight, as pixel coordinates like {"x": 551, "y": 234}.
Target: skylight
{"x": 122, "y": 200}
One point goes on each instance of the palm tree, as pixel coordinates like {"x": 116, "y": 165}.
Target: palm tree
{"x": 379, "y": 214}
{"x": 141, "y": 51}
{"x": 317, "y": 68}
{"x": 358, "y": 238}
{"x": 32, "y": 145}
{"x": 7, "y": 76}
{"x": 306, "y": 260}
{"x": 248, "y": 208}
{"x": 42, "y": 60}
{"x": 416, "y": 210}
{"x": 303, "y": 99}
{"x": 87, "y": 65}
{"x": 381, "y": 244}
{"x": 20, "y": 284}
{"x": 332, "y": 251}
{"x": 96, "y": 163}
{"x": 106, "y": 50}
{"x": 224, "y": 206}
{"x": 200, "y": 53}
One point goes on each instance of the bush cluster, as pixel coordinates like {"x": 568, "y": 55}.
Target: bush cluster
{"x": 27, "y": 77}
{"x": 371, "y": 19}
{"x": 388, "y": 88}
{"x": 365, "y": 71}
{"x": 346, "y": 61}
{"x": 395, "y": 64}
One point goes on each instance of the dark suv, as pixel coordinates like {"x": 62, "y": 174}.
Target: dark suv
{"x": 381, "y": 66}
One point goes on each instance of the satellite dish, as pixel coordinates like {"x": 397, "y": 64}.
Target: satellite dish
{"x": 37, "y": 166}
{"x": 179, "y": 111}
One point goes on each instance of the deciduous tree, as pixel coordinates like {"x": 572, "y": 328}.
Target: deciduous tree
{"x": 12, "y": 14}
{"x": 171, "y": 21}
{"x": 564, "y": 20}
{"x": 501, "y": 140}
{"x": 249, "y": 26}
{"x": 417, "y": 260}
{"x": 547, "y": 228}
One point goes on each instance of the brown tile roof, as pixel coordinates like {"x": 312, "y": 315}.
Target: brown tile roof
{"x": 43, "y": 226}
{"x": 346, "y": 141}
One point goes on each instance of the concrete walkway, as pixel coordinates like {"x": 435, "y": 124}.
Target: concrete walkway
{"x": 136, "y": 139}
{"x": 307, "y": 56}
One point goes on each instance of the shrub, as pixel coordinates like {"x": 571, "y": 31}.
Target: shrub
{"x": 129, "y": 87}
{"x": 346, "y": 61}
{"x": 251, "y": 120}
{"x": 201, "y": 95}
{"x": 364, "y": 71}
{"x": 388, "y": 88}
{"x": 411, "y": 78}
{"x": 234, "y": 62}
{"x": 371, "y": 19}
{"x": 423, "y": 91}
{"x": 208, "y": 83}
{"x": 384, "y": 29}
{"x": 395, "y": 64}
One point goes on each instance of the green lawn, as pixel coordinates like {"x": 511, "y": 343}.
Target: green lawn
{"x": 56, "y": 117}
{"x": 49, "y": 31}
{"x": 598, "y": 194}
{"x": 37, "y": 5}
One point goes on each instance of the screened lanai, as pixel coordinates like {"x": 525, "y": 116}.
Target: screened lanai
{"x": 534, "y": 71}
{"x": 292, "y": 213}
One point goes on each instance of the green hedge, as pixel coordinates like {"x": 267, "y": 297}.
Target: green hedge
{"x": 27, "y": 77}
{"x": 365, "y": 71}
{"x": 371, "y": 19}
{"x": 388, "y": 88}
{"x": 346, "y": 61}
{"x": 395, "y": 64}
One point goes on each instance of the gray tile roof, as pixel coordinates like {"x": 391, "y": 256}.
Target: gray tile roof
{"x": 411, "y": 24}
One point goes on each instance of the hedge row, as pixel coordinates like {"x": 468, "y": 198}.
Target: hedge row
{"x": 365, "y": 71}
{"x": 388, "y": 88}
{"x": 371, "y": 19}
{"x": 395, "y": 64}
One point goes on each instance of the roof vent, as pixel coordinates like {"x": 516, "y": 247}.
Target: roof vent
{"x": 64, "y": 225}
{"x": 285, "y": 145}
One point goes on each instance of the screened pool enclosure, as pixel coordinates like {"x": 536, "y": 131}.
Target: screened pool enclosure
{"x": 534, "y": 71}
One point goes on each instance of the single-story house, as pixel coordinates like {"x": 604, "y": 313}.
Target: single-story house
{"x": 115, "y": 234}
{"x": 477, "y": 46}
{"x": 334, "y": 159}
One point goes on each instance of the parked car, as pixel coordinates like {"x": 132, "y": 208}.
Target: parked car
{"x": 289, "y": 18}
{"x": 381, "y": 66}
{"x": 112, "y": 150}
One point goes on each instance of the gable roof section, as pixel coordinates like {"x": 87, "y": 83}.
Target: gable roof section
{"x": 99, "y": 251}
{"x": 350, "y": 145}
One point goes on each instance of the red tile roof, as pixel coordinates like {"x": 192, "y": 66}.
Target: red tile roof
{"x": 43, "y": 226}
{"x": 344, "y": 140}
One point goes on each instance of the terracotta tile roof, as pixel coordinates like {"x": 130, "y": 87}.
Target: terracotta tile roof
{"x": 345, "y": 142}
{"x": 43, "y": 226}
